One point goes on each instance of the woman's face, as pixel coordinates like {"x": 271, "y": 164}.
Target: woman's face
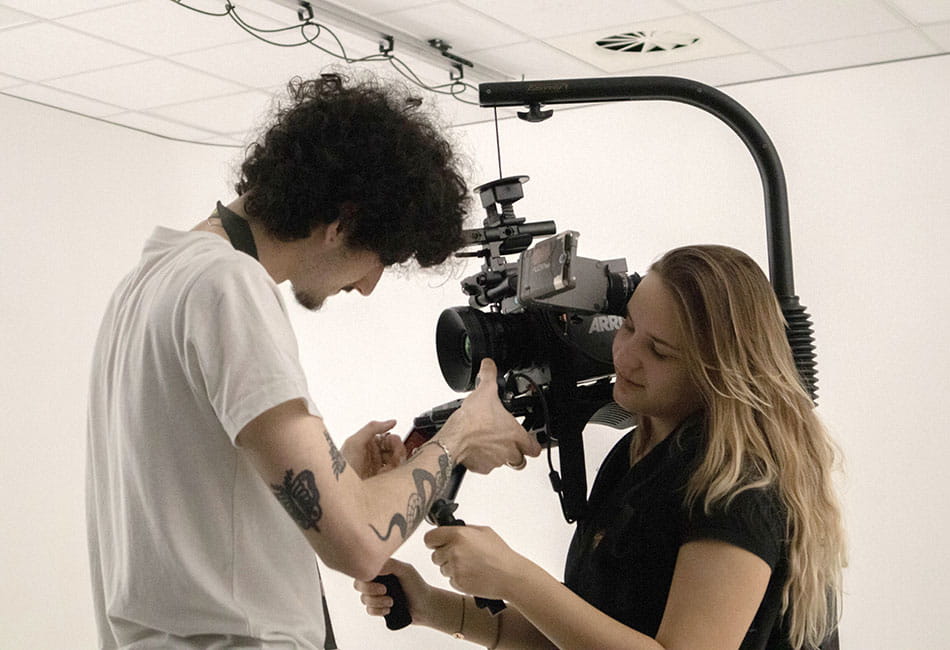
{"x": 652, "y": 379}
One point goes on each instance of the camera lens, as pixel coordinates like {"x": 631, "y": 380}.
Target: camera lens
{"x": 467, "y": 349}
{"x": 464, "y": 336}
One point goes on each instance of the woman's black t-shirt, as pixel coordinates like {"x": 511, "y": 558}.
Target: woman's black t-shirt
{"x": 622, "y": 557}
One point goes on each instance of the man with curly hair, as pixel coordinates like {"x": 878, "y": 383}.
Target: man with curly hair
{"x": 202, "y": 437}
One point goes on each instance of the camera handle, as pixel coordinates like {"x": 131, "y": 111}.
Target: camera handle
{"x": 442, "y": 513}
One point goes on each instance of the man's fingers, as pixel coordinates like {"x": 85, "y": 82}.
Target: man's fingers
{"x": 487, "y": 373}
{"x": 396, "y": 450}
{"x": 533, "y": 447}
{"x": 380, "y": 426}
{"x": 369, "y": 589}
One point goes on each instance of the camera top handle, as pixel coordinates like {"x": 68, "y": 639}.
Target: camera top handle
{"x": 534, "y": 94}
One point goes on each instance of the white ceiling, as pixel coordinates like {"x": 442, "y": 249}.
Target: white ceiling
{"x": 157, "y": 66}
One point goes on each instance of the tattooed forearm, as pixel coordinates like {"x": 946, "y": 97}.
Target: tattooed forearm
{"x": 339, "y": 462}
{"x": 420, "y": 500}
{"x": 300, "y": 497}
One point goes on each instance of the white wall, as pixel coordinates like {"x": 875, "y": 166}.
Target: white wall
{"x": 865, "y": 154}
{"x": 77, "y": 199}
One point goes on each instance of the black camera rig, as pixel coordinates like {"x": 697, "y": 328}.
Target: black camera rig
{"x": 547, "y": 321}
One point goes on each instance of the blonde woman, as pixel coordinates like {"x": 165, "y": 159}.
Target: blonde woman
{"x": 714, "y": 524}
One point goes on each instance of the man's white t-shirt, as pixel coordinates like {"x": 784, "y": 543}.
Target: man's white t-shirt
{"x": 188, "y": 546}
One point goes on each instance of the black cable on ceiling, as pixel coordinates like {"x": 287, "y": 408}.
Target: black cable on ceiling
{"x": 455, "y": 88}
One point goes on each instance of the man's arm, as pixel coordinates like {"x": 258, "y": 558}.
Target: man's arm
{"x": 354, "y": 525}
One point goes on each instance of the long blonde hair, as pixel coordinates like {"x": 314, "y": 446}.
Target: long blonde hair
{"x": 761, "y": 426}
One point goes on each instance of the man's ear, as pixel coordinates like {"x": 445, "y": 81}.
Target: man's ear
{"x": 349, "y": 211}
{"x": 333, "y": 233}
{"x": 337, "y": 230}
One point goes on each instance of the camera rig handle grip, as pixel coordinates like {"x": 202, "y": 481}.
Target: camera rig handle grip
{"x": 442, "y": 513}
{"x": 398, "y": 616}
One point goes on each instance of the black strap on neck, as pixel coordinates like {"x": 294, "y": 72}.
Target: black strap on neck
{"x": 238, "y": 230}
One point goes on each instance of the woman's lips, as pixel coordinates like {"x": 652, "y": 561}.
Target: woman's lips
{"x": 628, "y": 381}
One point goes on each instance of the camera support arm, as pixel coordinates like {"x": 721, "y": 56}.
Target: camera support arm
{"x": 533, "y": 94}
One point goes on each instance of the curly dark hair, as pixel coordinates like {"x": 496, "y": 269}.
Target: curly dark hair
{"x": 364, "y": 153}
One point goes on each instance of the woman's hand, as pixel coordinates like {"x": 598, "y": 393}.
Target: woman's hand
{"x": 417, "y": 590}
{"x": 373, "y": 450}
{"x": 475, "y": 559}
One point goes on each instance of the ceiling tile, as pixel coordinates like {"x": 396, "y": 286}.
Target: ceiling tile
{"x": 58, "y": 8}
{"x": 258, "y": 64}
{"x": 923, "y": 12}
{"x": 41, "y": 51}
{"x": 940, "y": 34}
{"x": 713, "y": 42}
{"x": 226, "y": 141}
{"x": 157, "y": 27}
{"x": 722, "y": 70}
{"x": 8, "y": 82}
{"x": 9, "y": 17}
{"x": 781, "y": 23}
{"x": 356, "y": 46}
{"x": 536, "y": 61}
{"x": 230, "y": 114}
{"x": 548, "y": 18}
{"x": 707, "y": 5}
{"x": 374, "y": 7}
{"x": 61, "y": 99}
{"x": 451, "y": 111}
{"x": 283, "y": 12}
{"x": 842, "y": 53}
{"x": 146, "y": 85}
{"x": 160, "y": 126}
{"x": 462, "y": 28}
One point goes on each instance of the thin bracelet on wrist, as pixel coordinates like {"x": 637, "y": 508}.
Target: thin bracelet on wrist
{"x": 445, "y": 449}
{"x": 498, "y": 620}
{"x": 460, "y": 634}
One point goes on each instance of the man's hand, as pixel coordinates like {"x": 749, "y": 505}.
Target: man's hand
{"x": 482, "y": 434}
{"x": 373, "y": 450}
{"x": 378, "y": 603}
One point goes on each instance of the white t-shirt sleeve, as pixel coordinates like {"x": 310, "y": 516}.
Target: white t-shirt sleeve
{"x": 238, "y": 344}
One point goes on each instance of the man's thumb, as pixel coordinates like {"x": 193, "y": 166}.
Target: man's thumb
{"x": 487, "y": 372}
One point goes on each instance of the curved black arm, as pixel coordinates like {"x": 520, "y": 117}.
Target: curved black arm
{"x": 533, "y": 94}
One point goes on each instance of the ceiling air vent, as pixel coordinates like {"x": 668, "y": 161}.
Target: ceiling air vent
{"x": 647, "y": 41}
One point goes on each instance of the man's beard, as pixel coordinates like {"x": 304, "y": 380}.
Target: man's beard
{"x": 309, "y": 301}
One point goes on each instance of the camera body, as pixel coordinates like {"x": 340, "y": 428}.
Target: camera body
{"x": 548, "y": 305}
{"x": 549, "y": 309}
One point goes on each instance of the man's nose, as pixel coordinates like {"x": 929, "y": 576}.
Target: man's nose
{"x": 369, "y": 281}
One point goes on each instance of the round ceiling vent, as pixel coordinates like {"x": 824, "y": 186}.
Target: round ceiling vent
{"x": 647, "y": 41}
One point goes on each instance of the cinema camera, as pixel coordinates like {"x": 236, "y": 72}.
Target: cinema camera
{"x": 547, "y": 320}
